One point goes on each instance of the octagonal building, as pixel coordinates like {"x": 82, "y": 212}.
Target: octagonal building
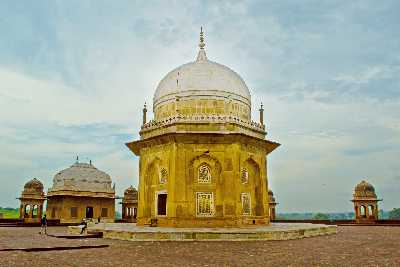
{"x": 202, "y": 159}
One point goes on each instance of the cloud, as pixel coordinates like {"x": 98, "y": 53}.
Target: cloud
{"x": 75, "y": 75}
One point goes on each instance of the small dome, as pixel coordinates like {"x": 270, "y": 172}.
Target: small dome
{"x": 130, "y": 191}
{"x": 34, "y": 184}
{"x": 34, "y": 187}
{"x": 364, "y": 189}
{"x": 130, "y": 195}
{"x": 271, "y": 197}
{"x": 82, "y": 177}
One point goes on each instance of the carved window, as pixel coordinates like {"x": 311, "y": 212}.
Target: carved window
{"x": 246, "y": 204}
{"x": 163, "y": 176}
{"x": 204, "y": 204}
{"x": 204, "y": 174}
{"x": 244, "y": 176}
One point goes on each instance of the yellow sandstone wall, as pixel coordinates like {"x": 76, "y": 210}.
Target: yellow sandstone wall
{"x": 63, "y": 205}
{"x": 181, "y": 159}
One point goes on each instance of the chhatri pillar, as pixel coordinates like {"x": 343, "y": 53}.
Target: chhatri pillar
{"x": 203, "y": 161}
{"x": 272, "y": 205}
{"x": 365, "y": 203}
{"x": 32, "y": 200}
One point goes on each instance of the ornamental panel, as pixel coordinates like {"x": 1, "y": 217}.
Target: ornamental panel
{"x": 204, "y": 174}
{"x": 163, "y": 176}
{"x": 204, "y": 204}
{"x": 244, "y": 176}
{"x": 246, "y": 204}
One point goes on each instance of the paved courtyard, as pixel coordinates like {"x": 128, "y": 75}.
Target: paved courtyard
{"x": 352, "y": 246}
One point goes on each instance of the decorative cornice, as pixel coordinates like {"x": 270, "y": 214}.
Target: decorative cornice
{"x": 203, "y": 137}
{"x": 203, "y": 118}
{"x": 76, "y": 193}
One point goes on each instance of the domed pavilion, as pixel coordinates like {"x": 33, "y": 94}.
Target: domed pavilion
{"x": 81, "y": 191}
{"x": 365, "y": 203}
{"x": 129, "y": 204}
{"x": 32, "y": 200}
{"x": 202, "y": 159}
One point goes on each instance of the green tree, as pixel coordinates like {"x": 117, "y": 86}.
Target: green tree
{"x": 321, "y": 216}
{"x": 394, "y": 214}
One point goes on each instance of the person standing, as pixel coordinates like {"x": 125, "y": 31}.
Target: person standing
{"x": 84, "y": 225}
{"x": 43, "y": 228}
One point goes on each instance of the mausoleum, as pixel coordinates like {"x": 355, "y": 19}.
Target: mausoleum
{"x": 81, "y": 191}
{"x": 203, "y": 160}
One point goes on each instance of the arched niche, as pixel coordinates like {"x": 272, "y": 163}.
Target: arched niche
{"x": 198, "y": 165}
{"x": 254, "y": 184}
{"x": 153, "y": 178}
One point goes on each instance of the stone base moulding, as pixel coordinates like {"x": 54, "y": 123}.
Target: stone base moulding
{"x": 274, "y": 231}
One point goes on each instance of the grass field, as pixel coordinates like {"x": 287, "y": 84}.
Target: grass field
{"x": 10, "y": 213}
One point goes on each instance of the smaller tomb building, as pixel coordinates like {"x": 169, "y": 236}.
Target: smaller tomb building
{"x": 81, "y": 192}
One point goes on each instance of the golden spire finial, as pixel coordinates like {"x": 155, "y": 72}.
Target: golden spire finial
{"x": 201, "y": 44}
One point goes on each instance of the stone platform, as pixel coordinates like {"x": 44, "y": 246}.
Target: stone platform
{"x": 274, "y": 231}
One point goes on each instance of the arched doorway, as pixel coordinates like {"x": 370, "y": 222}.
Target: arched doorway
{"x": 363, "y": 211}
{"x": 27, "y": 211}
{"x": 161, "y": 203}
{"x": 35, "y": 211}
{"x": 371, "y": 211}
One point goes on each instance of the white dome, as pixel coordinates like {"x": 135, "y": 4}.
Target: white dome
{"x": 203, "y": 79}
{"x": 82, "y": 177}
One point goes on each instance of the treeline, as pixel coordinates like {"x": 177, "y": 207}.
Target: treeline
{"x": 8, "y": 208}
{"x": 393, "y": 214}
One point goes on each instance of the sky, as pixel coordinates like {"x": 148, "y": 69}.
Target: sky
{"x": 74, "y": 76}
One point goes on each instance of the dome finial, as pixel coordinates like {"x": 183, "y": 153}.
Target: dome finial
{"x": 201, "y": 56}
{"x": 201, "y": 44}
